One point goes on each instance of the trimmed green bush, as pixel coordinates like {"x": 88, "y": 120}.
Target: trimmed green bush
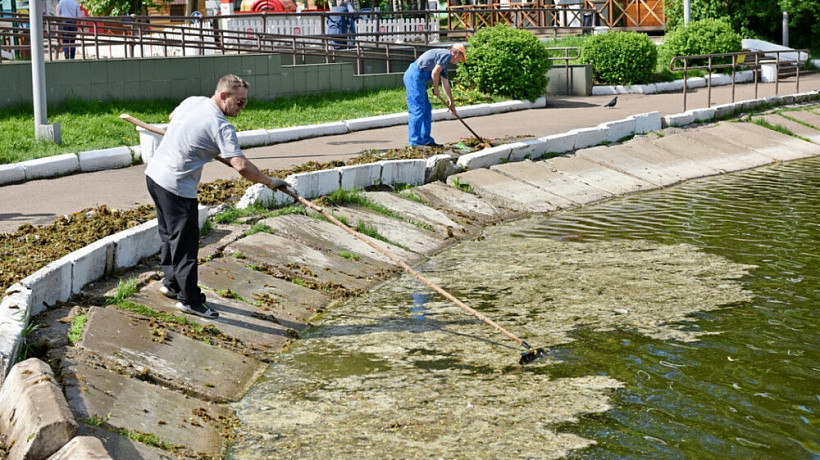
{"x": 620, "y": 58}
{"x": 707, "y": 36}
{"x": 508, "y": 62}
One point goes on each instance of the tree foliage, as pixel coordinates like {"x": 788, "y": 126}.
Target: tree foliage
{"x": 620, "y": 58}
{"x": 506, "y": 61}
{"x": 120, "y": 7}
{"x": 756, "y": 18}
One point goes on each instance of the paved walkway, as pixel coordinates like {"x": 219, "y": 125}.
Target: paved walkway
{"x": 41, "y": 201}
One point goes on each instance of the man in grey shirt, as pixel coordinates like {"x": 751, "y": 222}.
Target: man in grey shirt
{"x": 197, "y": 133}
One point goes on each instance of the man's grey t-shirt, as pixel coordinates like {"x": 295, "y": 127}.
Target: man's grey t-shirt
{"x": 428, "y": 60}
{"x": 198, "y": 132}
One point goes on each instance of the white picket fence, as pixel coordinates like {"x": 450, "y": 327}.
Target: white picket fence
{"x": 405, "y": 29}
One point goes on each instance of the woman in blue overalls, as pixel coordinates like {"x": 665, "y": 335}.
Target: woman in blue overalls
{"x": 430, "y": 66}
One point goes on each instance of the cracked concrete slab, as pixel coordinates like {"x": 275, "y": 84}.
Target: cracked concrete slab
{"x": 794, "y": 127}
{"x": 416, "y": 211}
{"x": 459, "y": 204}
{"x": 501, "y": 190}
{"x": 244, "y": 325}
{"x": 115, "y": 400}
{"x": 179, "y": 362}
{"x": 411, "y": 236}
{"x": 318, "y": 233}
{"x": 298, "y": 260}
{"x": 680, "y": 167}
{"x": 607, "y": 179}
{"x": 775, "y": 145}
{"x": 537, "y": 175}
{"x": 618, "y": 158}
{"x": 292, "y": 305}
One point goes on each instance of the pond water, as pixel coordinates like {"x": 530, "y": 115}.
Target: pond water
{"x": 679, "y": 323}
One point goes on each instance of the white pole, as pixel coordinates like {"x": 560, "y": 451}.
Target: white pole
{"x": 785, "y": 28}
{"x": 687, "y": 11}
{"x": 42, "y": 130}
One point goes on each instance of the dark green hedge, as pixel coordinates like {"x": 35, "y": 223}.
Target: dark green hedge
{"x": 505, "y": 61}
{"x": 620, "y": 58}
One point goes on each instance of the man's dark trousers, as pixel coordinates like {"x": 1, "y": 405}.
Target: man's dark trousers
{"x": 178, "y": 225}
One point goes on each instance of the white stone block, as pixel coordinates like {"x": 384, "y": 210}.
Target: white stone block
{"x": 753, "y": 103}
{"x": 90, "y": 263}
{"x": 786, "y": 99}
{"x": 651, "y": 88}
{"x": 678, "y": 119}
{"x": 720, "y": 79}
{"x": 603, "y": 91}
{"x": 316, "y": 183}
{"x": 588, "y": 137}
{"x": 476, "y": 110}
{"x": 768, "y": 73}
{"x": 619, "y": 129}
{"x": 703, "y": 114}
{"x": 379, "y": 121}
{"x": 440, "y": 167}
{"x": 258, "y": 194}
{"x": 442, "y": 114}
{"x": 10, "y": 173}
{"x": 508, "y": 106}
{"x": 135, "y": 243}
{"x": 149, "y": 142}
{"x": 360, "y": 176}
{"x": 647, "y": 122}
{"x": 252, "y": 138}
{"x": 49, "y": 285}
{"x": 57, "y": 165}
{"x": 203, "y": 215}
{"x": 696, "y": 82}
{"x": 14, "y": 310}
{"x": 485, "y": 158}
{"x": 726, "y": 110}
{"x": 98, "y": 160}
{"x": 539, "y": 103}
{"x": 410, "y": 172}
{"x": 744, "y": 76}
{"x": 529, "y": 149}
{"x": 669, "y": 86}
{"x": 559, "y": 143}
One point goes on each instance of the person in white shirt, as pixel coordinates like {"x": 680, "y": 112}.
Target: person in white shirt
{"x": 198, "y": 132}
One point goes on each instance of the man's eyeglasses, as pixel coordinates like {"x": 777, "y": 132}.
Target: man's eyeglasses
{"x": 240, "y": 102}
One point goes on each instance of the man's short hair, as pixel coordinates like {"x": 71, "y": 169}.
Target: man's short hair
{"x": 230, "y": 84}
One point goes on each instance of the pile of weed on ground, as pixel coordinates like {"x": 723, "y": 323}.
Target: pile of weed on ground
{"x": 31, "y": 248}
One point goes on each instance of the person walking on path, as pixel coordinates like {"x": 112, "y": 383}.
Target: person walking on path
{"x": 69, "y": 9}
{"x": 430, "y": 66}
{"x": 197, "y": 133}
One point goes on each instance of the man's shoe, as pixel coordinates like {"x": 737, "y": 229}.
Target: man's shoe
{"x": 433, "y": 144}
{"x": 202, "y": 310}
{"x": 168, "y": 292}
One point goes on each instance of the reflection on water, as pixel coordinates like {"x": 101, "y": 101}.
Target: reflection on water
{"x": 681, "y": 323}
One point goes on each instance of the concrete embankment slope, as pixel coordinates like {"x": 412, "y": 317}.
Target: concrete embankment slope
{"x": 151, "y": 384}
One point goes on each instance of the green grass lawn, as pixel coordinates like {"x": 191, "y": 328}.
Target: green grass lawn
{"x": 90, "y": 125}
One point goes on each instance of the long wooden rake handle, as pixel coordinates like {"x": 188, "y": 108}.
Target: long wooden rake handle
{"x": 358, "y": 235}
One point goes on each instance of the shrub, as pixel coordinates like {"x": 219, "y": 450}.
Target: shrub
{"x": 707, "y": 36}
{"x": 507, "y": 62}
{"x": 620, "y": 57}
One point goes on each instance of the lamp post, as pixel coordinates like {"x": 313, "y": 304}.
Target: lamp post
{"x": 687, "y": 11}
{"x": 42, "y": 130}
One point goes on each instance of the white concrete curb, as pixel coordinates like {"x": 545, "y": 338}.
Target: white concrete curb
{"x": 58, "y": 165}
{"x": 98, "y": 160}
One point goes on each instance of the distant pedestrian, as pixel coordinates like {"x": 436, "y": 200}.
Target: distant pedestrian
{"x": 69, "y": 9}
{"x": 197, "y": 133}
{"x": 430, "y": 66}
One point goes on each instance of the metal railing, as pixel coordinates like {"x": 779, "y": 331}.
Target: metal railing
{"x": 752, "y": 60}
{"x": 566, "y": 58}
